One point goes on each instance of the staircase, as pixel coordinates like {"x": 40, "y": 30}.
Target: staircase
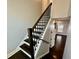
{"x": 28, "y": 49}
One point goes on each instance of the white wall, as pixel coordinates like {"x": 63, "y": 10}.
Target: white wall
{"x": 60, "y": 8}
{"x": 45, "y": 3}
{"x": 21, "y": 14}
{"x": 66, "y": 30}
{"x": 60, "y": 30}
{"x": 67, "y": 52}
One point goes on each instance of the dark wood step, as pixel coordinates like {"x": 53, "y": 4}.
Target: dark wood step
{"x": 40, "y": 28}
{"x": 44, "y": 18}
{"x": 19, "y": 55}
{"x": 26, "y": 48}
{"x": 35, "y": 29}
{"x": 42, "y": 22}
{"x": 35, "y": 36}
{"x": 37, "y": 32}
{"x": 41, "y": 25}
{"x": 28, "y": 41}
{"x": 47, "y": 56}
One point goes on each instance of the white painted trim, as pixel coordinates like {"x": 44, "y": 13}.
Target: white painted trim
{"x": 23, "y": 43}
{"x": 25, "y": 52}
{"x": 46, "y": 28}
{"x": 41, "y": 40}
{"x": 37, "y": 48}
{"x": 13, "y": 52}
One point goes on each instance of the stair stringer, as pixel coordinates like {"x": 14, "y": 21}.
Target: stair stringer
{"x": 43, "y": 47}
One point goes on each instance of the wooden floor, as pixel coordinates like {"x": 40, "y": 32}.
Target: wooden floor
{"x": 19, "y": 55}
{"x": 48, "y": 56}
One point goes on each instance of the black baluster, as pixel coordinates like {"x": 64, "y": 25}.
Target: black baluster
{"x": 31, "y": 42}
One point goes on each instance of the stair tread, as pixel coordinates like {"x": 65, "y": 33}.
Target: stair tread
{"x": 40, "y": 28}
{"x": 19, "y": 55}
{"x": 44, "y": 19}
{"x": 42, "y": 22}
{"x": 35, "y": 36}
{"x": 27, "y": 40}
{"x": 41, "y": 25}
{"x": 37, "y": 32}
{"x": 26, "y": 48}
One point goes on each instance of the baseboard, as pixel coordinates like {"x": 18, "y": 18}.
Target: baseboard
{"x": 13, "y": 52}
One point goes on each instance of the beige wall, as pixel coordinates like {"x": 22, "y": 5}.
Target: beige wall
{"x": 67, "y": 50}
{"x": 60, "y": 8}
{"x": 44, "y": 4}
{"x": 21, "y": 14}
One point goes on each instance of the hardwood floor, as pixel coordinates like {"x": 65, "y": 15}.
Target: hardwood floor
{"x": 56, "y": 52}
{"x": 49, "y": 55}
{"x": 19, "y": 55}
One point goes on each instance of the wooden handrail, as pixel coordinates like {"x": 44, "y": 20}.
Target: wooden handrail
{"x": 42, "y": 15}
{"x": 44, "y": 41}
{"x": 30, "y": 30}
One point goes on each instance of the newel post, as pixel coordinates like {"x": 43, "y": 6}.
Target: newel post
{"x": 31, "y": 42}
